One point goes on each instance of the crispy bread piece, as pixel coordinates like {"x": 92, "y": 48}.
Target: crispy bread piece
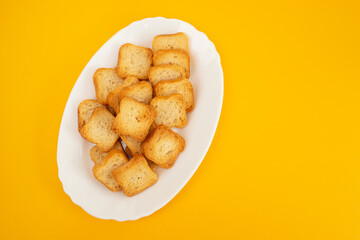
{"x": 103, "y": 171}
{"x": 173, "y": 56}
{"x": 113, "y": 98}
{"x": 170, "y": 110}
{"x": 85, "y": 110}
{"x": 165, "y": 72}
{"x": 105, "y": 80}
{"x": 152, "y": 165}
{"x": 135, "y": 176}
{"x": 134, "y": 119}
{"x": 141, "y": 91}
{"x": 97, "y": 155}
{"x": 163, "y": 146}
{"x": 182, "y": 86}
{"x": 134, "y": 61}
{"x": 171, "y": 41}
{"x": 98, "y": 129}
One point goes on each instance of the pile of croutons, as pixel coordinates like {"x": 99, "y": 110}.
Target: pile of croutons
{"x": 138, "y": 103}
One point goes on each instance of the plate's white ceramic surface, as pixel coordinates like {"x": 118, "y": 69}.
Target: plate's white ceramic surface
{"x": 73, "y": 151}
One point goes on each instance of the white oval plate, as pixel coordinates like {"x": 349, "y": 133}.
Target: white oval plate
{"x": 75, "y": 165}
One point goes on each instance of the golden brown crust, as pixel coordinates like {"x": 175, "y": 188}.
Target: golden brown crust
{"x": 94, "y": 155}
{"x": 160, "y": 86}
{"x": 153, "y": 70}
{"x": 161, "y": 130}
{"x": 85, "y": 130}
{"x": 112, "y": 98}
{"x": 111, "y": 154}
{"x": 134, "y": 90}
{"x": 120, "y": 175}
{"x": 105, "y": 161}
{"x": 136, "y": 134}
{"x": 160, "y": 53}
{"x": 81, "y": 120}
{"x": 123, "y": 74}
{"x": 97, "y": 156}
{"x": 97, "y": 85}
{"x": 176, "y": 97}
{"x": 170, "y": 35}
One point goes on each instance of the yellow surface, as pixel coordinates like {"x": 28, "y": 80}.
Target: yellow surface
{"x": 285, "y": 160}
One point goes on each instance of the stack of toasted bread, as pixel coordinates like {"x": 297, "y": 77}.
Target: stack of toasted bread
{"x": 138, "y": 103}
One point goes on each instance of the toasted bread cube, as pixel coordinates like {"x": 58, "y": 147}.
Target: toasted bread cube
{"x": 97, "y": 155}
{"x": 135, "y": 176}
{"x": 103, "y": 171}
{"x": 98, "y": 129}
{"x": 85, "y": 110}
{"x": 134, "y": 119}
{"x": 165, "y": 72}
{"x": 171, "y": 41}
{"x": 105, "y": 80}
{"x": 141, "y": 91}
{"x": 182, "y": 86}
{"x": 173, "y": 56}
{"x": 170, "y": 110}
{"x": 134, "y": 61}
{"x": 163, "y": 146}
{"x": 113, "y": 98}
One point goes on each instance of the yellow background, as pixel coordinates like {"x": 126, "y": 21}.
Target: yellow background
{"x": 285, "y": 160}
